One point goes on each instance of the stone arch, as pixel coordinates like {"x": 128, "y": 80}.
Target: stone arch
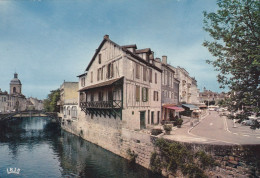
{"x": 14, "y": 89}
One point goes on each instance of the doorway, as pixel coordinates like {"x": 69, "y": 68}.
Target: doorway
{"x": 142, "y": 120}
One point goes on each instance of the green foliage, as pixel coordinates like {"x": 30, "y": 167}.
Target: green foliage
{"x": 205, "y": 160}
{"x": 174, "y": 156}
{"x": 132, "y": 155}
{"x": 171, "y": 116}
{"x": 222, "y": 103}
{"x": 167, "y": 127}
{"x": 156, "y": 131}
{"x": 50, "y": 104}
{"x": 235, "y": 28}
{"x": 193, "y": 171}
{"x": 179, "y": 121}
{"x": 155, "y": 163}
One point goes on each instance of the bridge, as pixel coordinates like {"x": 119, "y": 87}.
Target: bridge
{"x": 29, "y": 113}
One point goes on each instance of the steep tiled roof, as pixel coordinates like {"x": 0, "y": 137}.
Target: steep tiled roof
{"x": 106, "y": 38}
{"x": 130, "y": 46}
{"x": 146, "y": 50}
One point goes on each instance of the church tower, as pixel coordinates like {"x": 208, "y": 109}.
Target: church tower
{"x": 15, "y": 85}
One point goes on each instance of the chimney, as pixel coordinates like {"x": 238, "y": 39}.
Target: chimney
{"x": 164, "y": 59}
{"x": 158, "y": 59}
{"x": 106, "y": 37}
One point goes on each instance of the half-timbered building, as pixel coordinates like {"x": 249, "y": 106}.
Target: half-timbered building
{"x": 122, "y": 83}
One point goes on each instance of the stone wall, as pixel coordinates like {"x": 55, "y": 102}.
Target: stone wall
{"x": 233, "y": 160}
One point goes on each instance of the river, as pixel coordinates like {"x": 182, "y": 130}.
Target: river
{"x": 37, "y": 147}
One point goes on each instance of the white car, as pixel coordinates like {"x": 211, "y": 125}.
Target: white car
{"x": 247, "y": 122}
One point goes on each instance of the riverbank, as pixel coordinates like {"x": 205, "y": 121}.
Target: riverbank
{"x": 37, "y": 147}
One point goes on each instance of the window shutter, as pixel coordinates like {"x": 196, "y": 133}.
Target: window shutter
{"x": 143, "y": 94}
{"x": 147, "y": 94}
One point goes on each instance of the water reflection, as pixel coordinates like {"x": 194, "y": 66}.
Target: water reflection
{"x": 40, "y": 149}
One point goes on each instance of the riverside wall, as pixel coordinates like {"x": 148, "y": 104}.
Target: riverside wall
{"x": 108, "y": 133}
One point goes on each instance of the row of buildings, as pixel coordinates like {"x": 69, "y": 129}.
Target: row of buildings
{"x": 15, "y": 100}
{"x": 129, "y": 85}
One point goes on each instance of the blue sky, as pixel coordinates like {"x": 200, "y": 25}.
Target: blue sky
{"x": 49, "y": 41}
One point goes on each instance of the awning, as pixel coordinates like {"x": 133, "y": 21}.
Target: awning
{"x": 176, "y": 108}
{"x": 203, "y": 106}
{"x": 190, "y": 106}
{"x": 99, "y": 85}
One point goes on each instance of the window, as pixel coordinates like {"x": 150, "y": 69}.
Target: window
{"x": 100, "y": 74}
{"x": 137, "y": 71}
{"x": 64, "y": 110}
{"x": 168, "y": 78}
{"x": 158, "y": 117}
{"x": 148, "y": 116}
{"x": 100, "y": 96}
{"x": 150, "y": 75}
{"x": 83, "y": 81}
{"x": 144, "y": 73}
{"x": 137, "y": 93}
{"x": 74, "y": 112}
{"x": 155, "y": 78}
{"x": 155, "y": 96}
{"x": 144, "y": 94}
{"x": 110, "y": 95}
{"x": 68, "y": 110}
{"x": 91, "y": 75}
{"x": 152, "y": 117}
{"x": 110, "y": 70}
{"x": 92, "y": 97}
{"x": 99, "y": 58}
{"x": 81, "y": 97}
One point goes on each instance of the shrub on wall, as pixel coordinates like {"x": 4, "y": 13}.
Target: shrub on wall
{"x": 173, "y": 156}
{"x": 132, "y": 155}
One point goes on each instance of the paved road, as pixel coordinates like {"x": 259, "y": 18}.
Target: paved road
{"x": 221, "y": 130}
{"x": 214, "y": 129}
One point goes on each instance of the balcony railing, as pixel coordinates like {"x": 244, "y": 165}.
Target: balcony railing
{"x": 102, "y": 104}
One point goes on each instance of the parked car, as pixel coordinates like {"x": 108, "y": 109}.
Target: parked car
{"x": 247, "y": 122}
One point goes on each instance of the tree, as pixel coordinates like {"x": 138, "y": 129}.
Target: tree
{"x": 50, "y": 104}
{"x": 235, "y": 28}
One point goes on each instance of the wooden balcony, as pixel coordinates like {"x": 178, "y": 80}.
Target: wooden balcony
{"x": 102, "y": 104}
{"x": 103, "y": 108}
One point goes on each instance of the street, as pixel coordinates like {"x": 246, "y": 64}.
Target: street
{"x": 215, "y": 129}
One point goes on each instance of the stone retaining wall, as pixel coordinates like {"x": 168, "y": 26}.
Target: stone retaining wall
{"x": 233, "y": 160}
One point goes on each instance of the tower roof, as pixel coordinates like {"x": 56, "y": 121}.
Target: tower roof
{"x": 15, "y": 80}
